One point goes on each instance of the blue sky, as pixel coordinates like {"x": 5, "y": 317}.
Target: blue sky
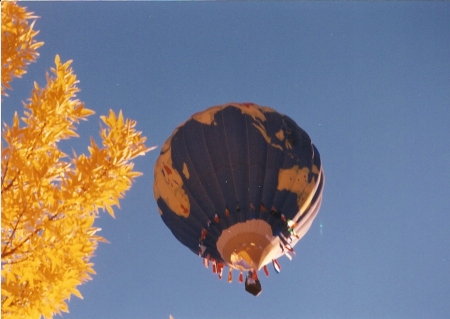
{"x": 369, "y": 82}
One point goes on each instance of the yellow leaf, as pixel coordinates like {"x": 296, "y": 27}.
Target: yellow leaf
{"x": 77, "y": 293}
{"x": 7, "y": 302}
{"x": 120, "y": 120}
{"x": 63, "y": 307}
{"x": 110, "y": 211}
{"x": 86, "y": 112}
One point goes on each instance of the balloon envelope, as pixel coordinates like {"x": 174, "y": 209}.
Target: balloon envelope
{"x": 239, "y": 184}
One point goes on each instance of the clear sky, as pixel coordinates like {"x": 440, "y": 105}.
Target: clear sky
{"x": 369, "y": 82}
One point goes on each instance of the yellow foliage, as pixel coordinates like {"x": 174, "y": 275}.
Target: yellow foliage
{"x": 50, "y": 200}
{"x": 18, "y": 44}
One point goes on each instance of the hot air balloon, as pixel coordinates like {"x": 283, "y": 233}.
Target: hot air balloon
{"x": 239, "y": 184}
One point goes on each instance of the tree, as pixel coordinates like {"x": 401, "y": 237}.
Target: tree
{"x": 50, "y": 199}
{"x": 18, "y": 44}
